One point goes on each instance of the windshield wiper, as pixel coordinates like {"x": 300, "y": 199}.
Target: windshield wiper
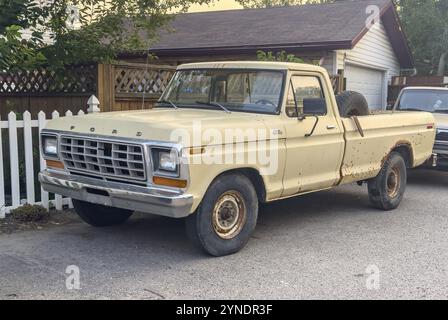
{"x": 169, "y": 102}
{"x": 214, "y": 104}
{"x": 411, "y": 109}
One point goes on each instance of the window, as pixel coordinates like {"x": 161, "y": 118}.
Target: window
{"x": 256, "y": 91}
{"x": 301, "y": 88}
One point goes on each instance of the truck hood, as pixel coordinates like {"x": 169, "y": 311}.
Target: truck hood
{"x": 163, "y": 124}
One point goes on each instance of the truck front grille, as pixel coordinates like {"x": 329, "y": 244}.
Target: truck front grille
{"x": 103, "y": 159}
{"x": 442, "y": 136}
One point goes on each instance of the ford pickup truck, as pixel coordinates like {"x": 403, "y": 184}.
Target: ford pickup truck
{"x": 224, "y": 137}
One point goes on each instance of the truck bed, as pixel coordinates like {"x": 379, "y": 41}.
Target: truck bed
{"x": 364, "y": 156}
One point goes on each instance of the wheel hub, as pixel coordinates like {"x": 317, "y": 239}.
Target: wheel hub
{"x": 393, "y": 182}
{"x": 229, "y": 215}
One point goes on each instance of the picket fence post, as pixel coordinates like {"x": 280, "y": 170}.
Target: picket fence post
{"x": 69, "y": 114}
{"x": 93, "y": 104}
{"x": 2, "y": 178}
{"x": 41, "y": 120}
{"x": 14, "y": 159}
{"x": 57, "y": 197}
{"x": 29, "y": 166}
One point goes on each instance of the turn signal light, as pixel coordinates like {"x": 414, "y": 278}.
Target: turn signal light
{"x": 170, "y": 182}
{"x": 55, "y": 164}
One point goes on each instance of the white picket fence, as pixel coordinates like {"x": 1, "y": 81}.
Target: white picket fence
{"x": 13, "y": 125}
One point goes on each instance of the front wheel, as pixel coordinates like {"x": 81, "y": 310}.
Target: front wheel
{"x": 226, "y": 218}
{"x": 100, "y": 216}
{"x": 387, "y": 189}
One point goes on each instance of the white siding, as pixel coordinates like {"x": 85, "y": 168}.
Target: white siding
{"x": 373, "y": 51}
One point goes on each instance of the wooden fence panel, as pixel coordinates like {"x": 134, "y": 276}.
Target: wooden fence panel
{"x": 131, "y": 86}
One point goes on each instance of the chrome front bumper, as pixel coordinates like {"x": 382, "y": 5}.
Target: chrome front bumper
{"x": 114, "y": 194}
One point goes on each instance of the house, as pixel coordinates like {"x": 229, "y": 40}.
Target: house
{"x": 338, "y": 35}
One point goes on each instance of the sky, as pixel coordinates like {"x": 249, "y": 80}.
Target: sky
{"x": 216, "y": 5}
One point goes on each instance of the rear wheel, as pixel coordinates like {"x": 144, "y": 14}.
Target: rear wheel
{"x": 387, "y": 189}
{"x": 226, "y": 218}
{"x": 100, "y": 216}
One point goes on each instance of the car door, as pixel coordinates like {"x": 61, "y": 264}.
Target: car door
{"x": 312, "y": 162}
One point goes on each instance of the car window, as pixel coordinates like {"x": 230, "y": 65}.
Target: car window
{"x": 424, "y": 100}
{"x": 302, "y": 87}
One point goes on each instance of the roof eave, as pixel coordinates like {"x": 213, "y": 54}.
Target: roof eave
{"x": 234, "y": 50}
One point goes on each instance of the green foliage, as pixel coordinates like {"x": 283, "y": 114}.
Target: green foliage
{"x": 278, "y": 3}
{"x": 14, "y": 52}
{"x": 425, "y": 23}
{"x": 29, "y": 213}
{"x": 281, "y": 56}
{"x": 80, "y": 30}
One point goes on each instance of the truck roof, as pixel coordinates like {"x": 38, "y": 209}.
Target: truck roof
{"x": 424, "y": 88}
{"x": 269, "y": 65}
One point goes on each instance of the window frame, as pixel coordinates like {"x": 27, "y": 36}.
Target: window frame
{"x": 277, "y": 111}
{"x": 295, "y": 96}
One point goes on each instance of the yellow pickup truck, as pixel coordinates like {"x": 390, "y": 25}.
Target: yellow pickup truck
{"x": 224, "y": 137}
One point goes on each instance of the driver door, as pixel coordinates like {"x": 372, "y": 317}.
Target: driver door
{"x": 313, "y": 162}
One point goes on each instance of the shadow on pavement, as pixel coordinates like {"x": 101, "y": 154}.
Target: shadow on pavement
{"x": 148, "y": 235}
{"x": 429, "y": 177}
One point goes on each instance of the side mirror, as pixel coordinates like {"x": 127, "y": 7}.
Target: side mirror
{"x": 314, "y": 107}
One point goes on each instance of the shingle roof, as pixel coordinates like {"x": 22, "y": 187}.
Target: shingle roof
{"x": 332, "y": 26}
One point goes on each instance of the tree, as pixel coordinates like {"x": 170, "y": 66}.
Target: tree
{"x": 425, "y": 23}
{"x": 79, "y": 30}
{"x": 278, "y": 3}
{"x": 281, "y": 56}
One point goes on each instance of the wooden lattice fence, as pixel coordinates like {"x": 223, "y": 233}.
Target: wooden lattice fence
{"x": 75, "y": 79}
{"x": 129, "y": 86}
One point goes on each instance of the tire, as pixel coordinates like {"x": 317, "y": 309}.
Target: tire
{"x": 100, "y": 216}
{"x": 226, "y": 218}
{"x": 387, "y": 189}
{"x": 351, "y": 103}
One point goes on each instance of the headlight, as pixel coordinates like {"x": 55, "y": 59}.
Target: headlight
{"x": 50, "y": 146}
{"x": 165, "y": 160}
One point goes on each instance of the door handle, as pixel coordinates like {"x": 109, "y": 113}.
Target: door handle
{"x": 330, "y": 127}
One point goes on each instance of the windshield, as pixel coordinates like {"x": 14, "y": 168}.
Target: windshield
{"x": 424, "y": 100}
{"x": 236, "y": 90}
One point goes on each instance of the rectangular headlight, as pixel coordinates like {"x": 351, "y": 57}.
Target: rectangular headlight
{"x": 50, "y": 146}
{"x": 165, "y": 160}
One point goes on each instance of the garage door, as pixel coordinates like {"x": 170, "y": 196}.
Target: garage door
{"x": 367, "y": 81}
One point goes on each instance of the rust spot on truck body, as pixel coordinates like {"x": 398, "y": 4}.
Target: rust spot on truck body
{"x": 400, "y": 144}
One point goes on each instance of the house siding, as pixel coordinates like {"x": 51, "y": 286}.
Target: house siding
{"x": 373, "y": 50}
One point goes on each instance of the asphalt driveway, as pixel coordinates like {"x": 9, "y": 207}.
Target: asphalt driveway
{"x": 316, "y": 246}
